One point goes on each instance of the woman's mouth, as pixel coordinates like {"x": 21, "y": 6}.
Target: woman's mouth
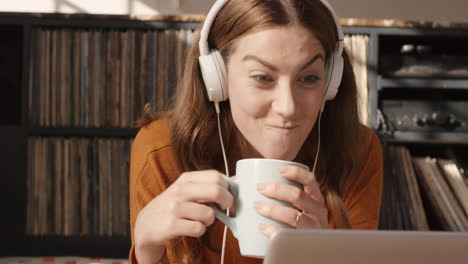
{"x": 281, "y": 129}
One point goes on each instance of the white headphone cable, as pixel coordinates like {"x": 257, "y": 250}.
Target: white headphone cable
{"x": 227, "y": 174}
{"x": 318, "y": 144}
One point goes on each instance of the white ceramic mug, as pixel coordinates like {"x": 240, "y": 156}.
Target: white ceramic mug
{"x": 244, "y": 226}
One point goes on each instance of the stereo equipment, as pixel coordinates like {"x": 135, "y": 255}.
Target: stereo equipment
{"x": 441, "y": 116}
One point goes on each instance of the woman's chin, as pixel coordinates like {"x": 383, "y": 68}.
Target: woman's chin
{"x": 278, "y": 155}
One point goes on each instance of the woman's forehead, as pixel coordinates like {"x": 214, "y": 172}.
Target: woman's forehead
{"x": 283, "y": 47}
{"x": 280, "y": 41}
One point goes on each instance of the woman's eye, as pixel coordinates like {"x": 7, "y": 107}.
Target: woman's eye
{"x": 262, "y": 78}
{"x": 309, "y": 79}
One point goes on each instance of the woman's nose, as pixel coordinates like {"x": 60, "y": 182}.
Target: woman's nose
{"x": 284, "y": 102}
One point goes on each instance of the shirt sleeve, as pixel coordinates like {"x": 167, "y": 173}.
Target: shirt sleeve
{"x": 363, "y": 198}
{"x": 151, "y": 172}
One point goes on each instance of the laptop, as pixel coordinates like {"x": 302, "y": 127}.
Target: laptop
{"x": 367, "y": 247}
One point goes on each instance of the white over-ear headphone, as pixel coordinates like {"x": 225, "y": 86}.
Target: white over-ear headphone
{"x": 214, "y": 70}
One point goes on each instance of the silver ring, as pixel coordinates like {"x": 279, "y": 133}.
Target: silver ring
{"x": 299, "y": 214}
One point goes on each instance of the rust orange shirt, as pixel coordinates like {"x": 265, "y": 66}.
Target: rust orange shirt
{"x": 154, "y": 166}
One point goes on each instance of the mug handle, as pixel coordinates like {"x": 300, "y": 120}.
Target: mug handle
{"x": 231, "y": 222}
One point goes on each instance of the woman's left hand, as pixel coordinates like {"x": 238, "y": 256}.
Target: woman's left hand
{"x": 311, "y": 212}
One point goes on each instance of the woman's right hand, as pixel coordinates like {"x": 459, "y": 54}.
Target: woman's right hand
{"x": 179, "y": 211}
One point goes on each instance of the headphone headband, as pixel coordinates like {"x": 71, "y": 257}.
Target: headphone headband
{"x": 203, "y": 43}
{"x": 219, "y": 4}
{"x": 214, "y": 70}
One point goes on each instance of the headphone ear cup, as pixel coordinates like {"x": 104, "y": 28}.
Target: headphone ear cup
{"x": 214, "y": 75}
{"x": 335, "y": 69}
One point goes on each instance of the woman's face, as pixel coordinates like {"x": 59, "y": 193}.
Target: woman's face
{"x": 276, "y": 87}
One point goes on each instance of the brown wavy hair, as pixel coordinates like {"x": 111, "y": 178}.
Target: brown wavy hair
{"x": 194, "y": 121}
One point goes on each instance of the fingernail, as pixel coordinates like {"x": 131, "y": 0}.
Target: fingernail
{"x": 261, "y": 228}
{"x": 261, "y": 186}
{"x": 283, "y": 170}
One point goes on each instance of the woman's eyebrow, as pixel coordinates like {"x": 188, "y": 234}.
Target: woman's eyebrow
{"x": 255, "y": 58}
{"x": 272, "y": 67}
{"x": 316, "y": 57}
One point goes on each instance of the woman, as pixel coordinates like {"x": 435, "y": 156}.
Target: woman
{"x": 275, "y": 54}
